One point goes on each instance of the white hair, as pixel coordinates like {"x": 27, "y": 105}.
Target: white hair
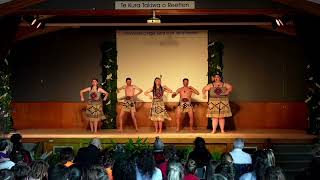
{"x": 238, "y": 143}
{"x": 175, "y": 171}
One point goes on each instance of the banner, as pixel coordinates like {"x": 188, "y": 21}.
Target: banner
{"x": 154, "y": 5}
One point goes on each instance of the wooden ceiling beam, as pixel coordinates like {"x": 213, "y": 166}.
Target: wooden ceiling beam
{"x": 302, "y": 5}
{"x": 73, "y": 12}
{"x": 16, "y": 5}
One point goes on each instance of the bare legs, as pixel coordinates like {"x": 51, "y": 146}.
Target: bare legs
{"x": 133, "y": 116}
{"x": 94, "y": 125}
{"x": 158, "y": 126}
{"x": 178, "y": 117}
{"x": 215, "y": 122}
{"x": 190, "y": 113}
{"x": 121, "y": 120}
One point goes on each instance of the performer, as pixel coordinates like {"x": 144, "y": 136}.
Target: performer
{"x": 94, "y": 110}
{"x": 129, "y": 102}
{"x": 185, "y": 105}
{"x": 158, "y": 112}
{"x": 218, "y": 105}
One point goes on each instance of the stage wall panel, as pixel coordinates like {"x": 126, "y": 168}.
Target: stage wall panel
{"x": 247, "y": 115}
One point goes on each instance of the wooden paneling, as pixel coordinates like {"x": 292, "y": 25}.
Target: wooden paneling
{"x": 246, "y": 115}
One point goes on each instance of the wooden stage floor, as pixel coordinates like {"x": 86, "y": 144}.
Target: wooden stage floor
{"x": 169, "y": 135}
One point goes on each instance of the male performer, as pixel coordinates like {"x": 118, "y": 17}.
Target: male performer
{"x": 185, "y": 102}
{"x": 129, "y": 102}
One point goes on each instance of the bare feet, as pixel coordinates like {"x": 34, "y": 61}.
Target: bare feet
{"x": 191, "y": 129}
{"x": 137, "y": 130}
{"x": 213, "y": 132}
{"x": 120, "y": 130}
{"x": 222, "y": 131}
{"x": 177, "y": 130}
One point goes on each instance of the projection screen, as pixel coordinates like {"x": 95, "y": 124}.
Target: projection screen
{"x": 172, "y": 54}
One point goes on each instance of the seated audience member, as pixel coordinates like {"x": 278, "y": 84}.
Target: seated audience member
{"x": 58, "y": 172}
{"x": 21, "y": 171}
{"x": 146, "y": 167}
{"x": 88, "y": 156}
{"x": 170, "y": 156}
{"x": 124, "y": 169}
{"x": 18, "y": 153}
{"x": 39, "y": 170}
{"x": 242, "y": 161}
{"x": 260, "y": 164}
{"x": 274, "y": 173}
{"x": 226, "y": 167}
{"x": 96, "y": 172}
{"x": 190, "y": 170}
{"x": 107, "y": 162}
{"x": 270, "y": 157}
{"x": 200, "y": 153}
{"x": 238, "y": 156}
{"x": 6, "y": 174}
{"x": 66, "y": 156}
{"x": 211, "y": 168}
{"x": 175, "y": 171}
{"x": 75, "y": 172}
{"x": 5, "y": 162}
{"x": 158, "y": 151}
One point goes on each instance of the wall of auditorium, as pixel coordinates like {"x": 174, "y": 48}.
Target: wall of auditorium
{"x": 261, "y": 65}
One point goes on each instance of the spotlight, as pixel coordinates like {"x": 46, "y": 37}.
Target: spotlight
{"x": 34, "y": 21}
{"x": 154, "y": 19}
{"x": 41, "y": 25}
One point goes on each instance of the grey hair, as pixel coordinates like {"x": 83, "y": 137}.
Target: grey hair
{"x": 238, "y": 143}
{"x": 175, "y": 171}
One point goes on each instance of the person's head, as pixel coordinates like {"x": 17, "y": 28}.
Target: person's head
{"x": 238, "y": 143}
{"x": 96, "y": 142}
{"x": 128, "y": 81}
{"x": 96, "y": 173}
{"x": 200, "y": 144}
{"x": 270, "y": 157}
{"x": 185, "y": 82}
{"x": 146, "y": 163}
{"x": 66, "y": 154}
{"x": 175, "y": 171}
{"x": 75, "y": 172}
{"x": 274, "y": 173}
{"x": 16, "y": 138}
{"x": 21, "y": 171}
{"x": 39, "y": 169}
{"x": 58, "y": 172}
{"x": 216, "y": 77}
{"x": 124, "y": 169}
{"x": 106, "y": 158}
{"x": 157, "y": 81}
{"x": 227, "y": 170}
{"x": 218, "y": 177}
{"x": 260, "y": 163}
{"x": 4, "y": 146}
{"x": 211, "y": 168}
{"x": 158, "y": 145}
{"x": 94, "y": 82}
{"x": 6, "y": 174}
{"x": 191, "y": 166}
{"x": 226, "y": 158}
{"x": 170, "y": 152}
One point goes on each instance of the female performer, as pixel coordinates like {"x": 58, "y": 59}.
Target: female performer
{"x": 158, "y": 112}
{"x": 94, "y": 110}
{"x": 218, "y": 105}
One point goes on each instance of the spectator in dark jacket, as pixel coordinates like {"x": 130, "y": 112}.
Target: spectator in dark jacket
{"x": 88, "y": 156}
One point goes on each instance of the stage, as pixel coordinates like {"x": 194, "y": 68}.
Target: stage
{"x": 169, "y": 135}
